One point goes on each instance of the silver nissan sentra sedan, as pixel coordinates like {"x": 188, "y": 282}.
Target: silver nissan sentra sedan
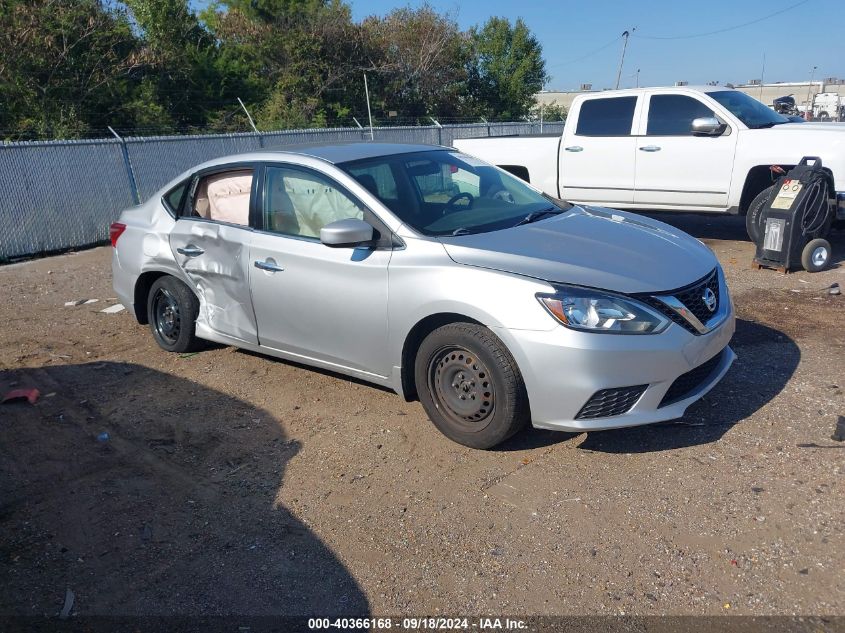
{"x": 434, "y": 274}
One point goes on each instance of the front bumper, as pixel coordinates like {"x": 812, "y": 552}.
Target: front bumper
{"x": 563, "y": 369}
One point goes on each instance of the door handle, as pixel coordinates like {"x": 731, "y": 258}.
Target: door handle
{"x": 574, "y": 148}
{"x": 649, "y": 148}
{"x": 190, "y": 250}
{"x": 269, "y": 265}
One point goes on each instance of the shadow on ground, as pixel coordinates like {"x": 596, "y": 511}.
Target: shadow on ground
{"x": 766, "y": 360}
{"x": 174, "y": 513}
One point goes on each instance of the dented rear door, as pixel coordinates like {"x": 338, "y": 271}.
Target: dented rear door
{"x": 215, "y": 259}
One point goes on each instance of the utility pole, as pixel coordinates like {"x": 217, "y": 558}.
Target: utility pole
{"x": 762, "y": 77}
{"x": 625, "y": 34}
{"x": 809, "y": 110}
{"x": 638, "y": 77}
{"x": 251, "y": 122}
{"x": 369, "y": 112}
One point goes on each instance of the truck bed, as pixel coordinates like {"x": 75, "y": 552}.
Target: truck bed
{"x": 538, "y": 154}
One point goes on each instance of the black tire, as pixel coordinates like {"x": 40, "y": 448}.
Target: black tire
{"x": 816, "y": 255}
{"x": 470, "y": 385}
{"x": 172, "y": 310}
{"x": 754, "y": 216}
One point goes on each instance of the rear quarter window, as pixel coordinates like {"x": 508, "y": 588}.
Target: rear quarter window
{"x": 606, "y": 117}
{"x": 173, "y": 198}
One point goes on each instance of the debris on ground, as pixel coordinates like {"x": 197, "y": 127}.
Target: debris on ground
{"x": 68, "y": 606}
{"x": 834, "y": 289}
{"x": 118, "y": 307}
{"x": 80, "y": 302}
{"x": 103, "y": 437}
{"x": 839, "y": 431}
{"x": 15, "y": 395}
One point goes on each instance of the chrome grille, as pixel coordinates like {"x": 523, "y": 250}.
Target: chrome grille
{"x": 692, "y": 297}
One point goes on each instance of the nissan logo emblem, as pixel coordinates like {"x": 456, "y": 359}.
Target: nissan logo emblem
{"x": 709, "y": 299}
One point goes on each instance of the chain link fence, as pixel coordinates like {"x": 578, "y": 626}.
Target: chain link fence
{"x": 59, "y": 195}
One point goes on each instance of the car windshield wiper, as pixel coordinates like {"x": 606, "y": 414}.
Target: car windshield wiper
{"x": 461, "y": 231}
{"x": 536, "y": 215}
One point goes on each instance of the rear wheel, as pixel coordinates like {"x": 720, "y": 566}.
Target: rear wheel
{"x": 470, "y": 386}
{"x": 754, "y": 216}
{"x": 172, "y": 311}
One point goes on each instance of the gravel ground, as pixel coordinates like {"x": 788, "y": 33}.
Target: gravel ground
{"x": 233, "y": 483}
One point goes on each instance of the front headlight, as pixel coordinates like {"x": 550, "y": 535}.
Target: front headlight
{"x": 595, "y": 311}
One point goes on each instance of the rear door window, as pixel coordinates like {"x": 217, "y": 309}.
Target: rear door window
{"x": 606, "y": 117}
{"x": 672, "y": 115}
{"x": 223, "y": 197}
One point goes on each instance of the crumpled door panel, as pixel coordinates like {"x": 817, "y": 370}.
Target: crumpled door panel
{"x": 220, "y": 274}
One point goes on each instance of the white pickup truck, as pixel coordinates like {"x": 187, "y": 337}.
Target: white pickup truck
{"x": 675, "y": 149}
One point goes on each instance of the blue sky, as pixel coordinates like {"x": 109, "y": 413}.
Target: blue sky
{"x": 794, "y": 41}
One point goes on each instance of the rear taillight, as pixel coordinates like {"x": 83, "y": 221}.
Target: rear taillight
{"x": 115, "y": 231}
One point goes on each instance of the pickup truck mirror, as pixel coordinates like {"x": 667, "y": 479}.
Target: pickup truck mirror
{"x": 707, "y": 126}
{"x": 348, "y": 233}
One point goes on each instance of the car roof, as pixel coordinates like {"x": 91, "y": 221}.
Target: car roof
{"x": 335, "y": 152}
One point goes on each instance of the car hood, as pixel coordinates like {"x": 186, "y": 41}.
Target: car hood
{"x": 590, "y": 246}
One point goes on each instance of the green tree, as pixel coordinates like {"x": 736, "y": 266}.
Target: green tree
{"x": 550, "y": 112}
{"x": 298, "y": 58}
{"x": 182, "y": 84}
{"x": 507, "y": 69}
{"x": 65, "y": 67}
{"x": 418, "y": 60}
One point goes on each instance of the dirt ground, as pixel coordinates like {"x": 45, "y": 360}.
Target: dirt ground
{"x": 233, "y": 483}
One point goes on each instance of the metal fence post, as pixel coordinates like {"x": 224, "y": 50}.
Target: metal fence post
{"x": 133, "y": 186}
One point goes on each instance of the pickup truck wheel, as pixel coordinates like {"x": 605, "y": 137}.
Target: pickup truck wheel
{"x": 754, "y": 217}
{"x": 470, "y": 385}
{"x": 172, "y": 311}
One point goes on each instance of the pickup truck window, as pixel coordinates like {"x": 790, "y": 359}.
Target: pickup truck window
{"x": 606, "y": 117}
{"x": 672, "y": 115}
{"x": 747, "y": 109}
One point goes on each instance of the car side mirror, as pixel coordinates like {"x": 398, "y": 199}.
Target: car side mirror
{"x": 708, "y": 126}
{"x": 347, "y": 233}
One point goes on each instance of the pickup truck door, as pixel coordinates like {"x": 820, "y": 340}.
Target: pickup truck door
{"x": 674, "y": 167}
{"x": 598, "y": 152}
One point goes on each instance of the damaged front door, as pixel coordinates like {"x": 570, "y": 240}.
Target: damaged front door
{"x": 210, "y": 243}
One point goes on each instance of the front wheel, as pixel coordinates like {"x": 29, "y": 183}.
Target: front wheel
{"x": 172, "y": 310}
{"x": 470, "y": 385}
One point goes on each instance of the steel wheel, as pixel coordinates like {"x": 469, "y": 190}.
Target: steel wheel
{"x": 167, "y": 318}
{"x": 462, "y": 387}
{"x": 470, "y": 386}
{"x": 172, "y": 310}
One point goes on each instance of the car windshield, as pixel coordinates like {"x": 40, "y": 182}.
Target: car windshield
{"x": 747, "y": 109}
{"x": 442, "y": 192}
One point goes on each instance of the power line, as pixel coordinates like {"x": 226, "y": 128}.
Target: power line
{"x": 591, "y": 53}
{"x": 724, "y": 30}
